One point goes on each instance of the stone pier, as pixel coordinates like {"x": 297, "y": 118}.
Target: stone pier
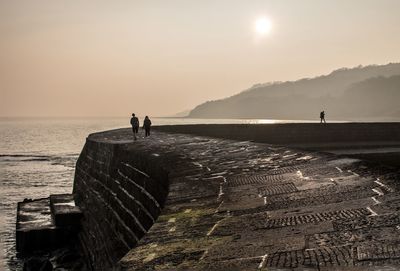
{"x": 187, "y": 202}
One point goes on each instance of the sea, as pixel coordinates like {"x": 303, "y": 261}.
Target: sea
{"x": 38, "y": 156}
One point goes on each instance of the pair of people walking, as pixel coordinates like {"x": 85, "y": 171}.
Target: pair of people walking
{"x": 135, "y": 126}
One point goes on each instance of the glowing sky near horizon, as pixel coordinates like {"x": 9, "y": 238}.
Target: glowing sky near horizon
{"x": 110, "y": 58}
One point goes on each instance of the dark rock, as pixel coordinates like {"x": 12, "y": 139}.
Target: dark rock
{"x": 38, "y": 264}
{"x": 68, "y": 257}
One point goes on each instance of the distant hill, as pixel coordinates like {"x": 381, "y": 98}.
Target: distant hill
{"x": 361, "y": 93}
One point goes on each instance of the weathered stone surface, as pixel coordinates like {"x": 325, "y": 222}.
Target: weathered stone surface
{"x": 64, "y": 210}
{"x": 220, "y": 204}
{"x": 35, "y": 228}
{"x": 46, "y": 224}
{"x": 37, "y": 264}
{"x": 332, "y": 135}
{"x": 120, "y": 201}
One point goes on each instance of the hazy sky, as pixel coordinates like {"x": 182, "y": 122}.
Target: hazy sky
{"x": 87, "y": 58}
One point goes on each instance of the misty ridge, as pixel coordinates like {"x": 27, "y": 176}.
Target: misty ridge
{"x": 360, "y": 93}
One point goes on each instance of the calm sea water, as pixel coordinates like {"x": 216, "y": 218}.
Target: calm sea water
{"x": 37, "y": 158}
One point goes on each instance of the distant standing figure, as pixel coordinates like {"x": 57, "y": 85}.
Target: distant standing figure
{"x": 322, "y": 116}
{"x": 135, "y": 125}
{"x": 146, "y": 125}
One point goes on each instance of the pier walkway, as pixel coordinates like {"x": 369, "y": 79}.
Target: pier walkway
{"x": 240, "y": 205}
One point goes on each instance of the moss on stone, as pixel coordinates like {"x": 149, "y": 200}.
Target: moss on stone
{"x": 184, "y": 214}
{"x": 188, "y": 251}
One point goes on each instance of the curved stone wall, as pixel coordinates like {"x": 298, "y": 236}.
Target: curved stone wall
{"x": 121, "y": 194}
{"x": 211, "y": 187}
{"x": 299, "y": 134}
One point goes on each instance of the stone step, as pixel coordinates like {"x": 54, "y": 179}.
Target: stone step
{"x": 35, "y": 228}
{"x": 46, "y": 223}
{"x": 64, "y": 210}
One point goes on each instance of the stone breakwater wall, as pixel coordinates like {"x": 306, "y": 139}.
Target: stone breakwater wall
{"x": 121, "y": 194}
{"x": 299, "y": 134}
{"x": 182, "y": 202}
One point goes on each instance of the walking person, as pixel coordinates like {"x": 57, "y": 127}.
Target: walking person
{"x": 146, "y": 126}
{"x": 135, "y": 126}
{"x": 322, "y": 116}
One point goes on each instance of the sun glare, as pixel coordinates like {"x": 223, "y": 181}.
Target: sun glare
{"x": 263, "y": 26}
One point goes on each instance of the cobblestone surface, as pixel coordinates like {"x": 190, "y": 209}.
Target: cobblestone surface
{"x": 250, "y": 206}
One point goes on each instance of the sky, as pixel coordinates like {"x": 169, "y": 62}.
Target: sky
{"x": 157, "y": 58}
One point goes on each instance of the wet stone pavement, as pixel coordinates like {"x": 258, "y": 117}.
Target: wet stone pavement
{"x": 251, "y": 206}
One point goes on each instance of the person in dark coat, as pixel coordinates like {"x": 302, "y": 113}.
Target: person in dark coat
{"x": 322, "y": 116}
{"x": 135, "y": 125}
{"x": 146, "y": 126}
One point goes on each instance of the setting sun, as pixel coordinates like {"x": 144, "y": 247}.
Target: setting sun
{"x": 263, "y": 26}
